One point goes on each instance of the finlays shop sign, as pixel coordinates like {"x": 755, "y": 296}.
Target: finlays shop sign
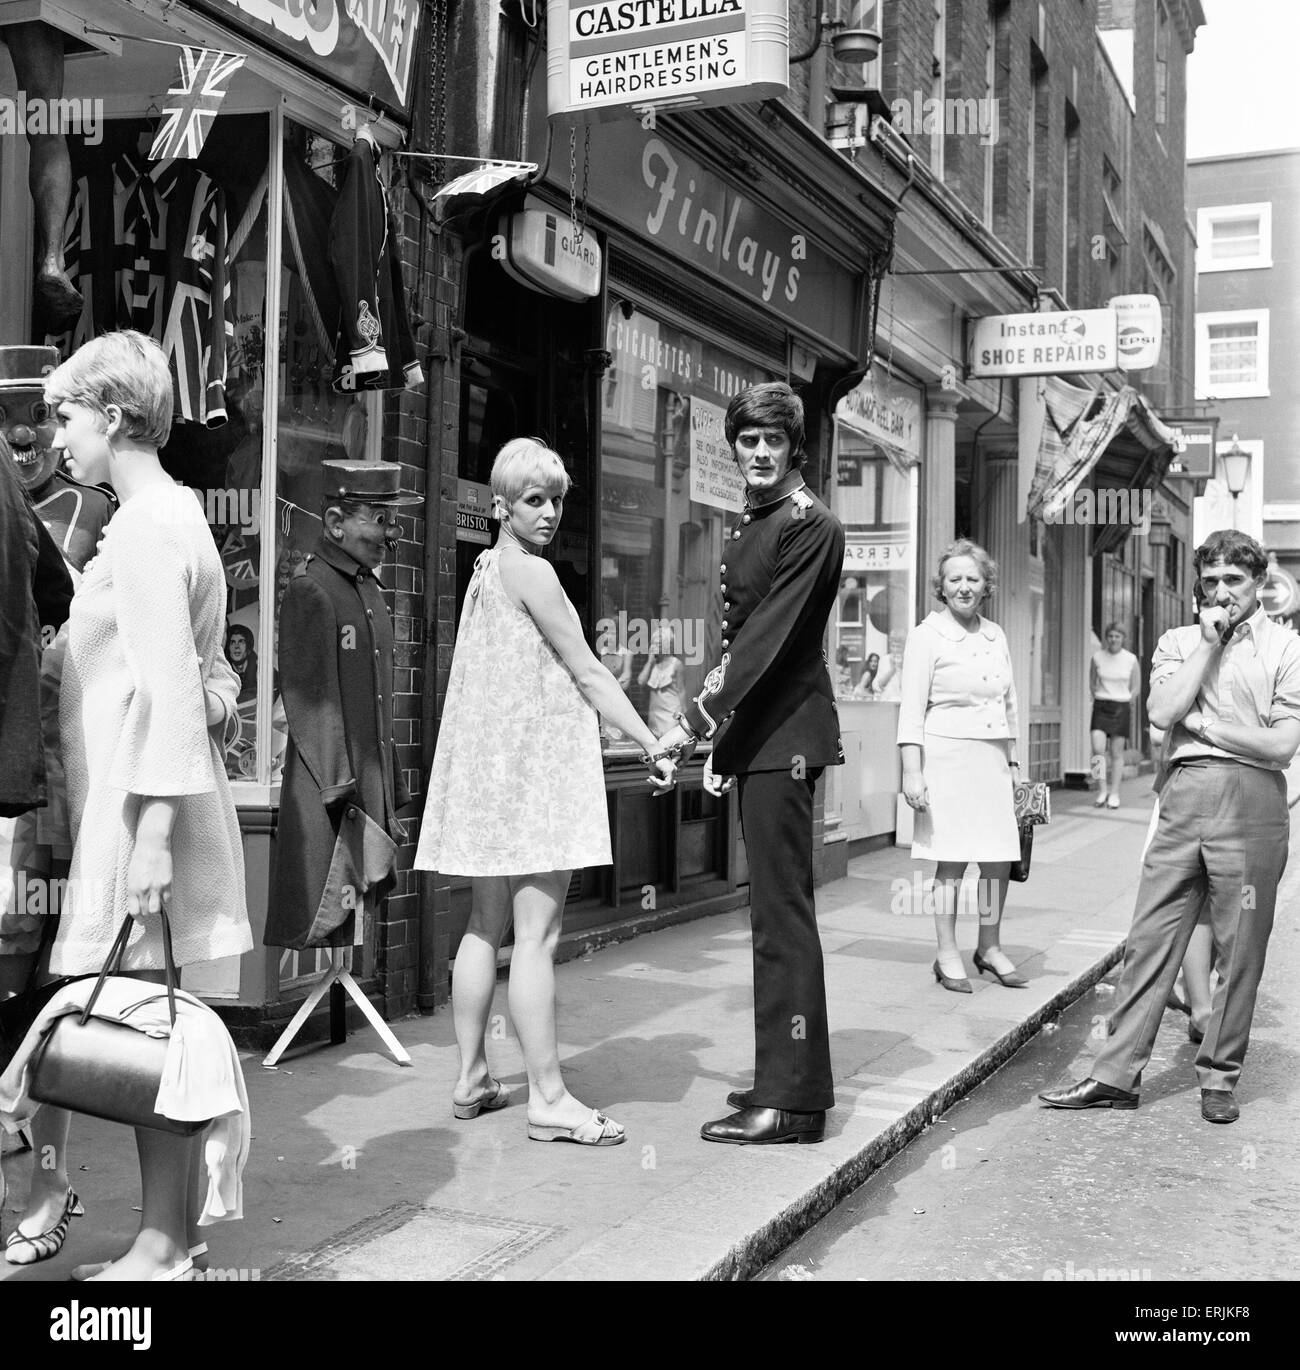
{"x": 661, "y": 193}
{"x": 363, "y": 46}
{"x": 607, "y": 57}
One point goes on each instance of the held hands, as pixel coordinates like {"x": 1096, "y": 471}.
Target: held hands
{"x": 915, "y": 792}
{"x": 663, "y": 774}
{"x": 149, "y": 877}
{"x": 716, "y": 785}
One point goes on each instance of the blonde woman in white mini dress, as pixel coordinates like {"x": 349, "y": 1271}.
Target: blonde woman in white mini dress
{"x": 516, "y": 794}
{"x": 957, "y": 732}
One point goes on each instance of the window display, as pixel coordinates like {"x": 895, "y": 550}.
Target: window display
{"x": 874, "y": 500}
{"x": 669, "y": 488}
{"x": 179, "y": 250}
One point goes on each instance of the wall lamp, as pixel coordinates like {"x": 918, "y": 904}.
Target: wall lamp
{"x": 855, "y": 39}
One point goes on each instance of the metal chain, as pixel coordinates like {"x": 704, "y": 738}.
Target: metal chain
{"x": 441, "y": 21}
{"x": 579, "y": 224}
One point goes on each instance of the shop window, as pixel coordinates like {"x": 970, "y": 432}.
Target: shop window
{"x": 873, "y": 498}
{"x": 1046, "y": 590}
{"x": 669, "y": 493}
{"x": 227, "y": 397}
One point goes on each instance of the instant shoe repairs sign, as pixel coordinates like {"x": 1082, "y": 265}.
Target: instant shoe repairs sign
{"x": 607, "y": 58}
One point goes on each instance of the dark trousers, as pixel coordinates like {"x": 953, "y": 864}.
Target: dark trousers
{"x": 1223, "y": 830}
{"x": 792, "y": 1056}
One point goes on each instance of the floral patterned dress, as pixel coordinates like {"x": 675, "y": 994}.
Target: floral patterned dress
{"x": 517, "y": 784}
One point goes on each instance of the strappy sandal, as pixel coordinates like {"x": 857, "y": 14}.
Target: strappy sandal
{"x": 20, "y": 1249}
{"x": 597, "y": 1130}
{"x": 499, "y": 1097}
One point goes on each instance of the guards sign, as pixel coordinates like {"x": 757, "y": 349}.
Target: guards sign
{"x": 604, "y": 59}
{"x": 1044, "y": 344}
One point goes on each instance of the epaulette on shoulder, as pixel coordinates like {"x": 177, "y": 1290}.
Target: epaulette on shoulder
{"x": 800, "y": 502}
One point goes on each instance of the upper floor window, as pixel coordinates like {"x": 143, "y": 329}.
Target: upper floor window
{"x": 1232, "y": 354}
{"x": 1234, "y": 237}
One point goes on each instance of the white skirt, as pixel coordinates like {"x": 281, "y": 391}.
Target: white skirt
{"x": 972, "y": 815}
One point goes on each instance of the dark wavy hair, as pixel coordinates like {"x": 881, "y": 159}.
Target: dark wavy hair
{"x": 964, "y": 547}
{"x": 1233, "y": 549}
{"x": 769, "y": 405}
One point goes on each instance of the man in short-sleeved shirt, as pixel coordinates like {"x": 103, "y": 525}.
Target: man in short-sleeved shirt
{"x": 1229, "y": 687}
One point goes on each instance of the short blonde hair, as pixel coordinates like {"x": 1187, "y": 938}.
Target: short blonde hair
{"x": 523, "y": 462}
{"x": 124, "y": 369}
{"x": 964, "y": 547}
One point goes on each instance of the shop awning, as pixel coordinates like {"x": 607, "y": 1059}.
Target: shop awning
{"x": 1079, "y": 426}
{"x": 482, "y": 183}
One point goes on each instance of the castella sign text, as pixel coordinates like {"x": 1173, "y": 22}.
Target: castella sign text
{"x": 608, "y": 57}
{"x": 1044, "y": 344}
{"x": 364, "y": 46}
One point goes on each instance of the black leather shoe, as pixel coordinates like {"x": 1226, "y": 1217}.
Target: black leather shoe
{"x": 740, "y": 1098}
{"x": 765, "y": 1126}
{"x": 1218, "y": 1106}
{"x": 1089, "y": 1093}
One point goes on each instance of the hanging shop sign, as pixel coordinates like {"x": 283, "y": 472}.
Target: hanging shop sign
{"x": 366, "y": 47}
{"x": 886, "y": 411}
{"x": 1044, "y": 344}
{"x": 1193, "y": 447}
{"x": 607, "y": 58}
{"x": 1140, "y": 327}
{"x": 660, "y": 193}
{"x": 544, "y": 250}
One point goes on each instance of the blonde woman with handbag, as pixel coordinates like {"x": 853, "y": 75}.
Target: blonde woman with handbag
{"x": 145, "y": 687}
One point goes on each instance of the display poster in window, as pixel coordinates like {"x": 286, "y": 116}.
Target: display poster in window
{"x": 715, "y": 479}
{"x": 473, "y": 510}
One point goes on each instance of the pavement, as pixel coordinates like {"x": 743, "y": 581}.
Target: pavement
{"x": 359, "y": 1171}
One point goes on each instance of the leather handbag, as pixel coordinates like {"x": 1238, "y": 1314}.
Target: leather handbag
{"x": 105, "y": 1068}
{"x": 1033, "y": 804}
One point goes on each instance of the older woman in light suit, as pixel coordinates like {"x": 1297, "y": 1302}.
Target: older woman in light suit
{"x": 957, "y": 732}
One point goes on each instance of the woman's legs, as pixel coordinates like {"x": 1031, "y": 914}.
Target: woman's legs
{"x": 171, "y": 1173}
{"x": 166, "y": 1171}
{"x": 49, "y": 1188}
{"x": 947, "y": 884}
{"x": 994, "y": 879}
{"x": 1116, "y": 748}
{"x": 1098, "y": 738}
{"x": 538, "y": 909}
{"x": 473, "y": 982}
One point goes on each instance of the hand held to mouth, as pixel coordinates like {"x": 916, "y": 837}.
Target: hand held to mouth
{"x": 1217, "y": 627}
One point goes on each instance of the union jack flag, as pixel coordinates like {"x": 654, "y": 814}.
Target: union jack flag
{"x": 187, "y": 121}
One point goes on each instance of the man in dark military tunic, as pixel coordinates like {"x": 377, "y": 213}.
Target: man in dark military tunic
{"x": 338, "y": 832}
{"x": 770, "y": 708}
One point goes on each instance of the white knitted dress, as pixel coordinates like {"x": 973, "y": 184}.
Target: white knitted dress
{"x": 131, "y": 717}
